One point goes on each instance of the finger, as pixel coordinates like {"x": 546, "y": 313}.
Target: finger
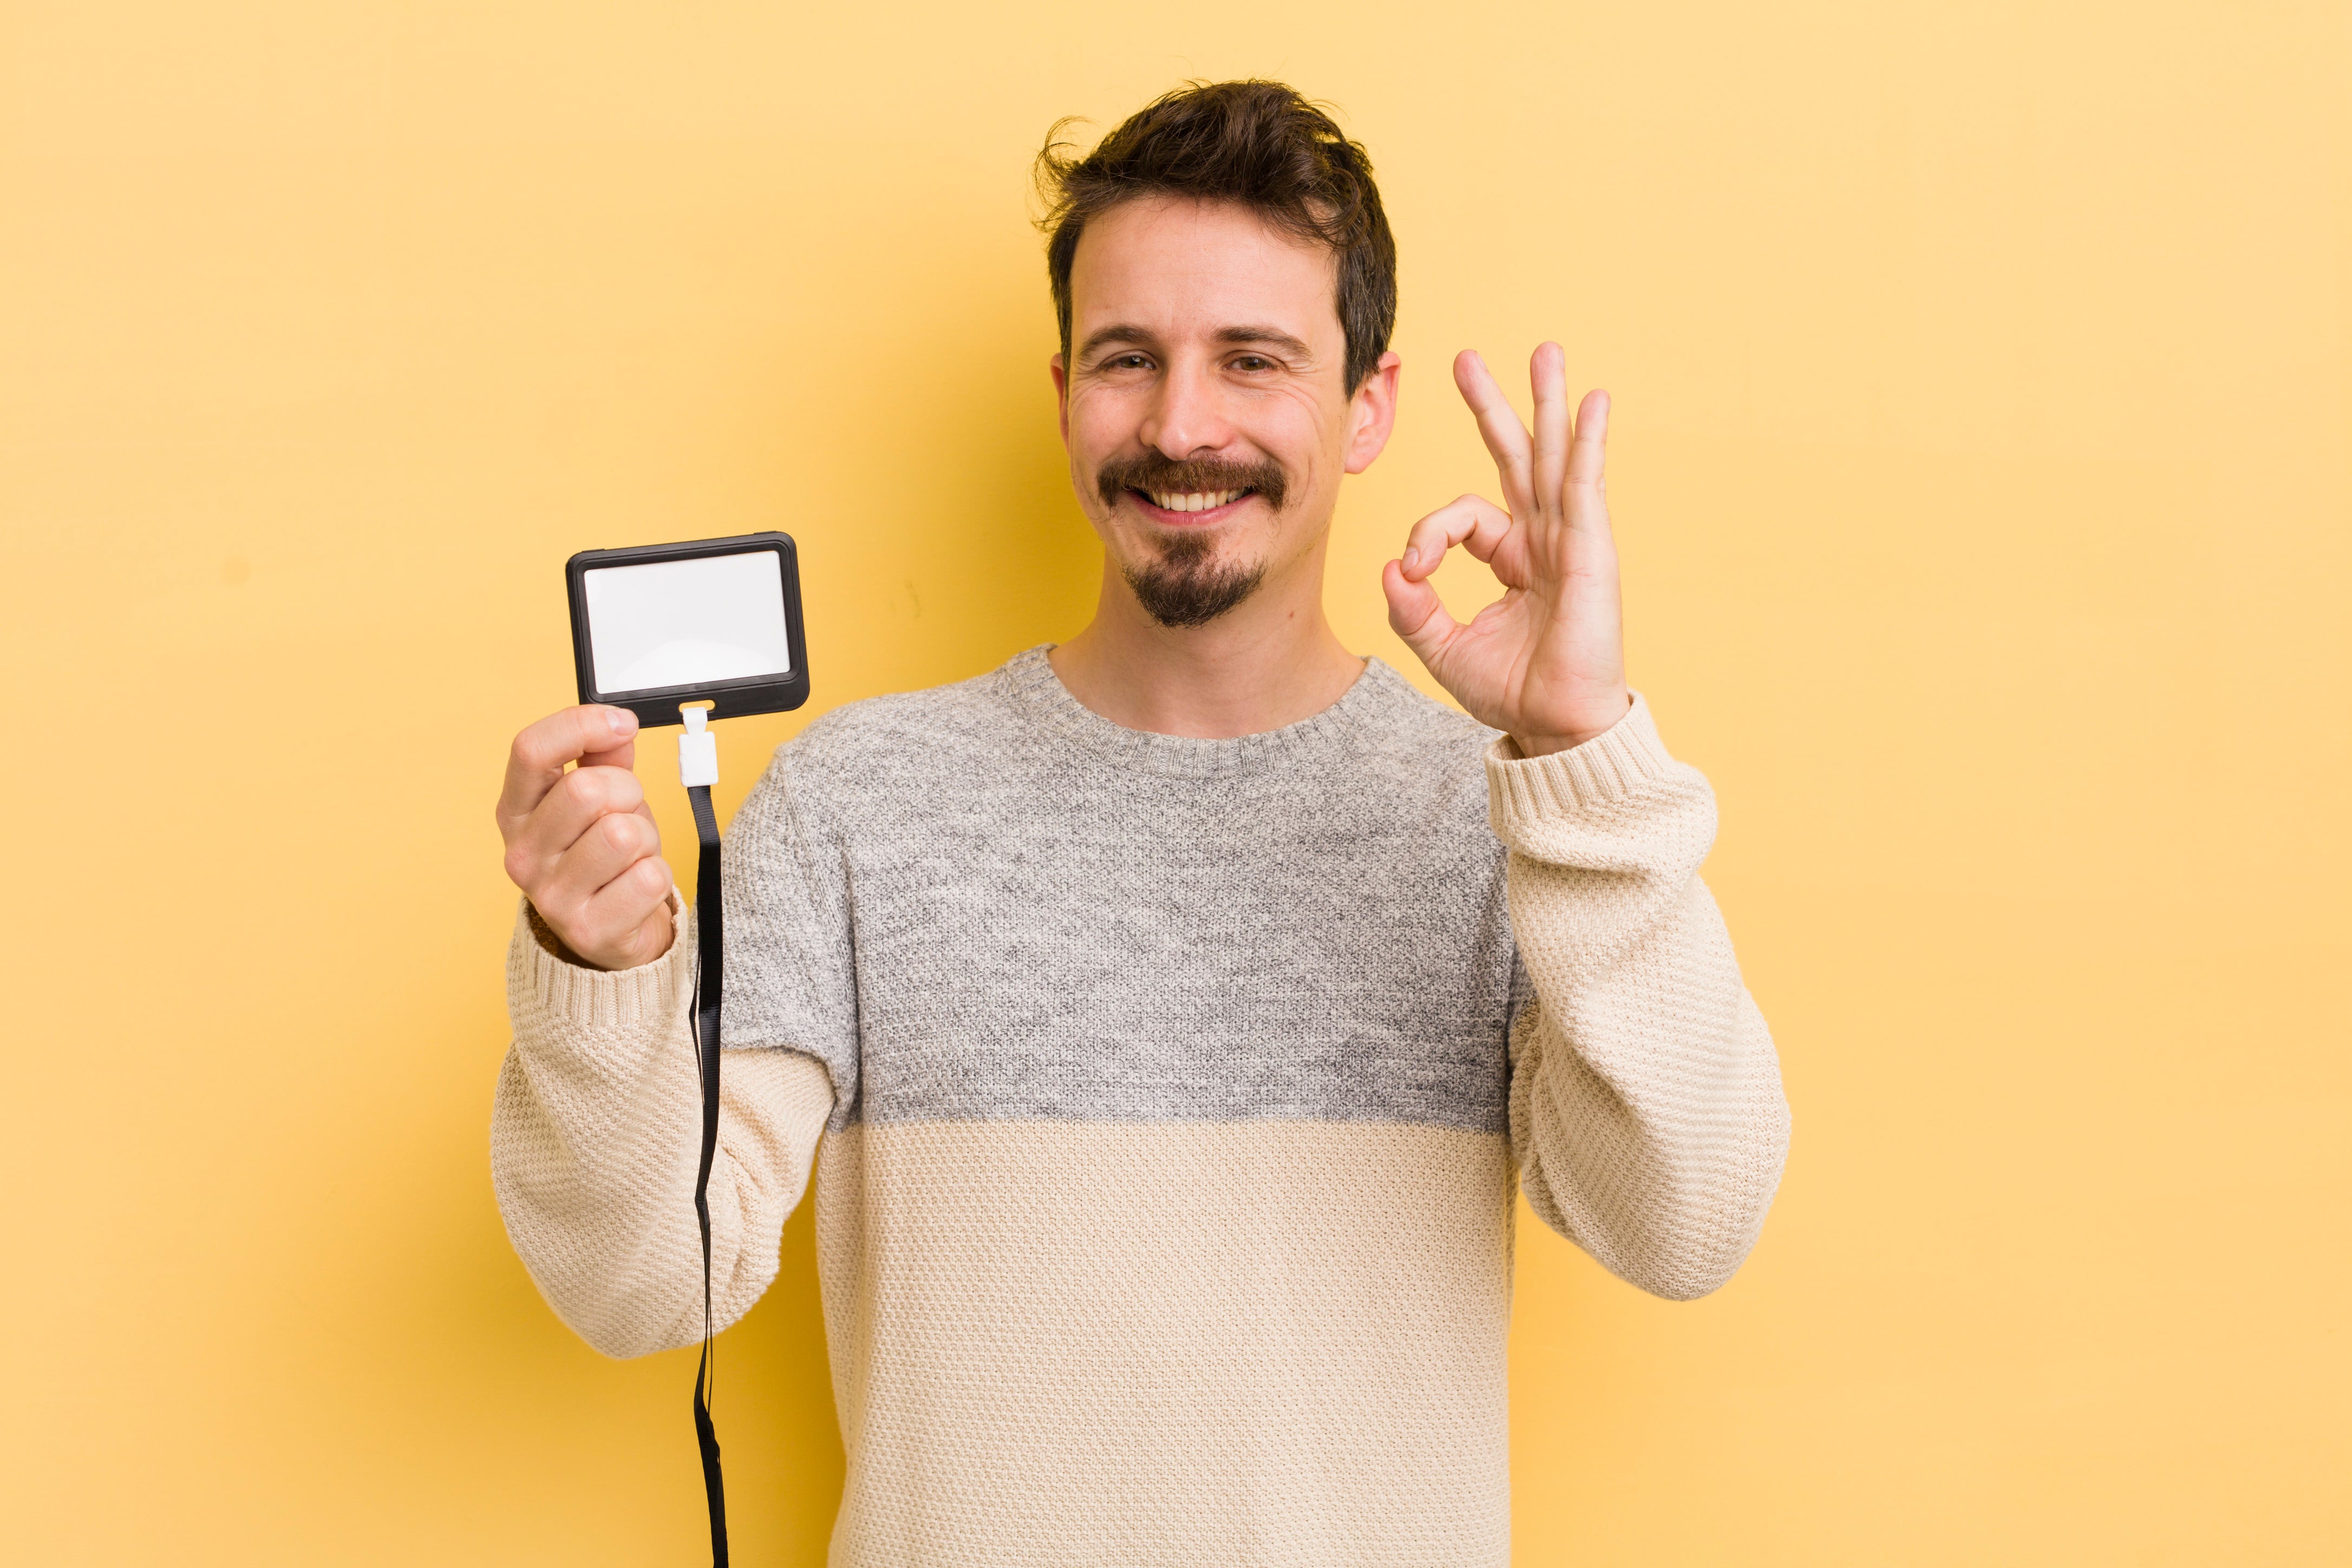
{"x": 1472, "y": 522}
{"x": 536, "y": 761}
{"x": 627, "y": 922}
{"x": 614, "y": 848}
{"x": 1587, "y": 459}
{"x": 648, "y": 940}
{"x": 1416, "y": 614}
{"x": 570, "y": 809}
{"x": 1590, "y": 449}
{"x": 1548, "y": 374}
{"x": 1498, "y": 423}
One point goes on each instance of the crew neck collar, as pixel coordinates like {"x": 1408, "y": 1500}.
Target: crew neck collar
{"x": 1029, "y": 680}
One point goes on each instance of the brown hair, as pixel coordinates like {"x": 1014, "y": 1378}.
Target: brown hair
{"x": 1255, "y": 143}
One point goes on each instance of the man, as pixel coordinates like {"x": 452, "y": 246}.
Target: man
{"x": 1178, "y": 1007}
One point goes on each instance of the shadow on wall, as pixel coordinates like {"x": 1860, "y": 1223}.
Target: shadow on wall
{"x": 973, "y": 546}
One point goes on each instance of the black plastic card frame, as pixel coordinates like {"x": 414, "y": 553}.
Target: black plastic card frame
{"x": 671, "y": 624}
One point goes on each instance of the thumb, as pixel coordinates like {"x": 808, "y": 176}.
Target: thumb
{"x": 1417, "y": 614}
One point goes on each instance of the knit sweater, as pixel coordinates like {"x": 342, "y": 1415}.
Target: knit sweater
{"x": 1171, "y": 1096}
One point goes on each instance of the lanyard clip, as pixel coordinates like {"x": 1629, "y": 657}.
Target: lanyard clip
{"x": 698, "y": 748}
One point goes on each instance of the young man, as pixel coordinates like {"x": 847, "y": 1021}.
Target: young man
{"x": 1179, "y": 1008}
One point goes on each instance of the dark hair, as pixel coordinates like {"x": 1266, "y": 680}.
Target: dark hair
{"x": 1255, "y": 143}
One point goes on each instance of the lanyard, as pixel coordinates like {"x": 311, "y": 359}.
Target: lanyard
{"x": 709, "y": 984}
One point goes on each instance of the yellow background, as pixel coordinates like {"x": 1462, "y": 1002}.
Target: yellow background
{"x": 1980, "y": 461}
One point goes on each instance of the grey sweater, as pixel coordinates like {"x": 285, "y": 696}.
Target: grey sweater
{"x": 1171, "y": 1094}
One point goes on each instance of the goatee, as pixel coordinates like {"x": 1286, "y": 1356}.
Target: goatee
{"x": 1187, "y": 585}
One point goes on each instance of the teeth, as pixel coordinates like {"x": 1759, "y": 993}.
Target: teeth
{"x": 1191, "y": 500}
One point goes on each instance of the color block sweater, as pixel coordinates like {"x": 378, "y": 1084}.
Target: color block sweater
{"x": 1171, "y": 1098}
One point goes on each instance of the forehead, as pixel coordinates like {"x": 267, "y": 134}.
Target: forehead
{"x": 1178, "y": 266}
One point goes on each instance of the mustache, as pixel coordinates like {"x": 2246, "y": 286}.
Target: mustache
{"x": 1155, "y": 472}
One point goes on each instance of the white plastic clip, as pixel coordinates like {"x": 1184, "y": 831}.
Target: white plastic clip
{"x": 697, "y": 750}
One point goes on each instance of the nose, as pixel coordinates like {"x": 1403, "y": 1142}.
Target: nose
{"x": 1187, "y": 417}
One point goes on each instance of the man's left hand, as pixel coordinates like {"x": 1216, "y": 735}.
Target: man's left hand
{"x": 1546, "y": 662}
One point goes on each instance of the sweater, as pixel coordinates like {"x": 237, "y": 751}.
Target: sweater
{"x": 1171, "y": 1097}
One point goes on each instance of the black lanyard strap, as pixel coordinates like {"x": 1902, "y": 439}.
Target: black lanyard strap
{"x": 710, "y": 981}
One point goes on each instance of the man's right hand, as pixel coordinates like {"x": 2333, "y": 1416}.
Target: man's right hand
{"x": 582, "y": 846}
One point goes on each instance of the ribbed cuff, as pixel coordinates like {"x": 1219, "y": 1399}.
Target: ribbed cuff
{"x": 590, "y": 998}
{"x": 1607, "y": 769}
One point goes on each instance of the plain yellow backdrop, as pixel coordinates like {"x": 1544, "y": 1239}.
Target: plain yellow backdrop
{"x": 1983, "y": 464}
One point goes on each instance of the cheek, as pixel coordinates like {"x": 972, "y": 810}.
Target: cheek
{"x": 1101, "y": 423}
{"x": 1098, "y": 432}
{"x": 1298, "y": 429}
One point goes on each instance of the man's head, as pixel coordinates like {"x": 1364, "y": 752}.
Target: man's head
{"x": 1225, "y": 283}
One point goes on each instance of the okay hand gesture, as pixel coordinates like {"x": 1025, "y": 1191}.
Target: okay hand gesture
{"x": 1546, "y": 662}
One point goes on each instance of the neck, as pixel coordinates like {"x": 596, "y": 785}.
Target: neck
{"x": 1271, "y": 660}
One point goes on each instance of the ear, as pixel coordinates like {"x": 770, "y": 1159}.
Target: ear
{"x": 1061, "y": 395}
{"x": 1371, "y": 413}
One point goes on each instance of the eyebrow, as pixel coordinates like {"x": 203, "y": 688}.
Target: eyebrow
{"x": 1273, "y": 337}
{"x": 1122, "y": 332}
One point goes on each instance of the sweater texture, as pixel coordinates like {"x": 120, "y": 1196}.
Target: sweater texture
{"x": 1172, "y": 1095}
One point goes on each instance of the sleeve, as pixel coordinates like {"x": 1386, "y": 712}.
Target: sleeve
{"x": 597, "y": 1132}
{"x": 1646, "y": 1112}
{"x": 791, "y": 970}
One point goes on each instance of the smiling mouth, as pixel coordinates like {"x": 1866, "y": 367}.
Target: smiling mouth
{"x": 1192, "y": 501}
{"x": 1178, "y": 493}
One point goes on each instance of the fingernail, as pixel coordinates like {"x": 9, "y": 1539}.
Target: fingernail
{"x": 1412, "y": 557}
{"x": 625, "y": 723}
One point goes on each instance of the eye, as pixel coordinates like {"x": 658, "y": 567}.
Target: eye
{"x": 1252, "y": 364}
{"x": 1129, "y": 360}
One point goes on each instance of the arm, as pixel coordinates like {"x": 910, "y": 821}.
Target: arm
{"x": 1646, "y": 1112}
{"x": 594, "y": 1139}
{"x": 594, "y": 1142}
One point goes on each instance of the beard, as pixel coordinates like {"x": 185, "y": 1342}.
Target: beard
{"x": 1187, "y": 585}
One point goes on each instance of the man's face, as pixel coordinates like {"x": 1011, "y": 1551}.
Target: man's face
{"x": 1205, "y": 405}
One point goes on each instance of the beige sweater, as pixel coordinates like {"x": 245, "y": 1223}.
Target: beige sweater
{"x": 1171, "y": 1096}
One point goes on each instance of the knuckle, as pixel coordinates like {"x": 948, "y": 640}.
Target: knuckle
{"x": 567, "y": 930}
{"x": 648, "y": 941}
{"x": 564, "y": 917}
{"x": 585, "y": 789}
{"x": 519, "y": 867}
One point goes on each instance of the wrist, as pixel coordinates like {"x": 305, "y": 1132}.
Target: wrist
{"x": 630, "y": 955}
{"x": 1567, "y": 737}
{"x": 551, "y": 941}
